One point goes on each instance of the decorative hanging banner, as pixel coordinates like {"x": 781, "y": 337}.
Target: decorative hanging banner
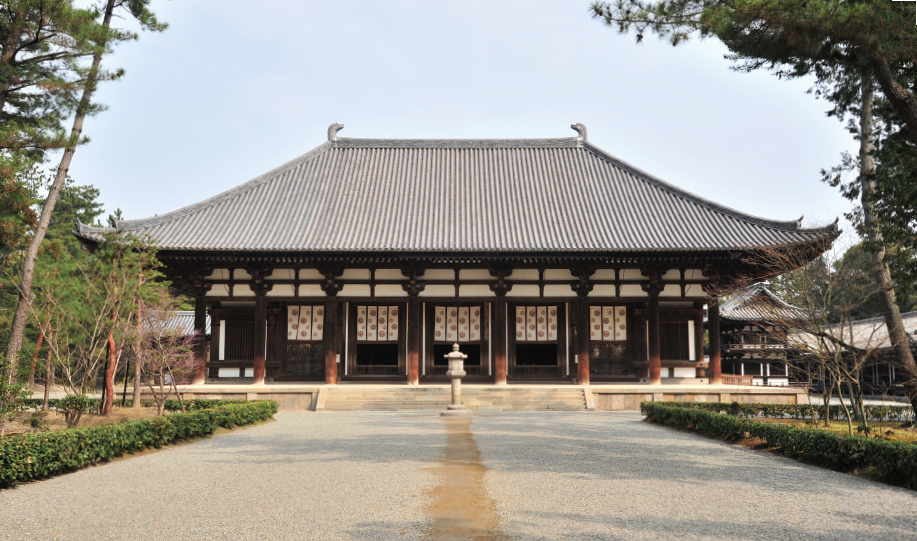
{"x": 536, "y": 323}
{"x": 595, "y": 323}
{"x": 377, "y": 323}
{"x": 608, "y": 323}
{"x": 475, "y": 323}
{"x": 304, "y": 323}
{"x": 456, "y": 324}
{"x": 620, "y": 323}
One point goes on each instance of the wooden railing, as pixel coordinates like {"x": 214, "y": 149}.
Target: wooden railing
{"x": 537, "y": 370}
{"x": 732, "y": 379}
{"x": 375, "y": 369}
{"x": 471, "y": 370}
{"x": 755, "y": 346}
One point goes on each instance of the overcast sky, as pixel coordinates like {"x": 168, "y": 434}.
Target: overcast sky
{"x": 233, "y": 89}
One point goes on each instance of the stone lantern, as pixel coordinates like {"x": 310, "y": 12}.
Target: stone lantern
{"x": 456, "y": 371}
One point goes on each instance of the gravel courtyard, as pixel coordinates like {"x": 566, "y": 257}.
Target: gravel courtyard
{"x": 511, "y": 476}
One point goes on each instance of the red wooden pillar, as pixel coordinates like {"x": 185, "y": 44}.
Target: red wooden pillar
{"x": 330, "y": 340}
{"x": 200, "y": 347}
{"x": 713, "y": 328}
{"x": 415, "y": 331}
{"x": 654, "y": 354}
{"x": 499, "y": 339}
{"x": 260, "y": 336}
{"x": 582, "y": 341}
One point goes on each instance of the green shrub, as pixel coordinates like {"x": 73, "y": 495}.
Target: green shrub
{"x": 35, "y": 456}
{"x": 797, "y": 411}
{"x": 73, "y": 406}
{"x": 895, "y": 461}
{"x": 171, "y": 404}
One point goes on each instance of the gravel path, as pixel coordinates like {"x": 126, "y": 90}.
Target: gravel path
{"x": 374, "y": 476}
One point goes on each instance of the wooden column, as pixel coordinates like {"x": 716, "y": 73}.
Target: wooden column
{"x": 200, "y": 347}
{"x": 582, "y": 341}
{"x": 499, "y": 340}
{"x": 415, "y": 322}
{"x": 654, "y": 355}
{"x": 713, "y": 328}
{"x": 329, "y": 340}
{"x": 415, "y": 331}
{"x": 260, "y": 336}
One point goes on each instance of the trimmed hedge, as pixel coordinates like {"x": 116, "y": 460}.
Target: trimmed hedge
{"x": 799, "y": 411}
{"x": 35, "y": 456}
{"x": 895, "y": 461}
{"x": 171, "y": 404}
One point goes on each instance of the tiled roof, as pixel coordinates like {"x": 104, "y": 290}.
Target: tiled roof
{"x": 872, "y": 333}
{"x": 183, "y": 320}
{"x": 480, "y": 195}
{"x": 757, "y": 303}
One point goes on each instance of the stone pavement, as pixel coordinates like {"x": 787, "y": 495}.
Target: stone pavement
{"x": 336, "y": 475}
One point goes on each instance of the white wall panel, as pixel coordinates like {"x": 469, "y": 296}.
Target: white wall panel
{"x": 684, "y": 372}
{"x": 524, "y": 291}
{"x": 355, "y": 274}
{"x": 389, "y": 274}
{"x": 310, "y": 274}
{"x": 672, "y": 274}
{"x": 241, "y": 274}
{"x": 476, "y": 290}
{"x": 523, "y": 274}
{"x": 438, "y": 274}
{"x": 603, "y": 290}
{"x": 218, "y": 290}
{"x": 604, "y": 274}
{"x": 632, "y": 291}
{"x": 558, "y": 274}
{"x": 475, "y": 274}
{"x": 219, "y": 274}
{"x": 390, "y": 290}
{"x": 632, "y": 274}
{"x": 692, "y": 354}
{"x": 434, "y": 291}
{"x": 282, "y": 274}
{"x": 242, "y": 290}
{"x": 311, "y": 290}
{"x": 281, "y": 290}
{"x": 355, "y": 290}
{"x": 227, "y": 372}
{"x": 558, "y": 290}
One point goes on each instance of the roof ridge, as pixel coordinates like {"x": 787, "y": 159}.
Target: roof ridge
{"x": 127, "y": 225}
{"x": 783, "y": 225}
{"x": 556, "y": 142}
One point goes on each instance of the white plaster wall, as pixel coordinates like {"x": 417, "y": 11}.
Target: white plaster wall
{"x": 632, "y": 290}
{"x": 672, "y": 274}
{"x": 228, "y": 373}
{"x": 475, "y": 290}
{"x": 249, "y": 372}
{"x": 393, "y": 290}
{"x": 355, "y": 274}
{"x": 684, "y": 372}
{"x": 671, "y": 290}
{"x": 433, "y": 291}
{"x": 559, "y": 274}
{"x": 389, "y": 274}
{"x": 218, "y": 290}
{"x": 310, "y": 274}
{"x": 694, "y": 290}
{"x": 475, "y": 274}
{"x": 242, "y": 290}
{"x": 524, "y": 291}
{"x": 281, "y": 290}
{"x": 603, "y": 290}
{"x": 311, "y": 290}
{"x": 219, "y": 274}
{"x": 604, "y": 274}
{"x": 438, "y": 274}
{"x": 632, "y": 274}
{"x": 241, "y": 274}
{"x": 282, "y": 274}
{"x": 524, "y": 274}
{"x": 356, "y": 290}
{"x": 558, "y": 290}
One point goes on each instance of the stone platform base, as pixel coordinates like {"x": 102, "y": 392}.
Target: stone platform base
{"x": 601, "y": 397}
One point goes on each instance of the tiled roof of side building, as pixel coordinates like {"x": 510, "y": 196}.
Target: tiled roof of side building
{"x": 758, "y": 303}
{"x": 477, "y": 195}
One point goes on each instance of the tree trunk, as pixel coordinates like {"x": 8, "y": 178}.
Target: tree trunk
{"x": 903, "y": 101}
{"x": 41, "y": 337}
{"x": 110, "y": 374}
{"x": 26, "y": 296}
{"x": 49, "y": 379}
{"x": 901, "y": 350}
{"x": 138, "y": 346}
